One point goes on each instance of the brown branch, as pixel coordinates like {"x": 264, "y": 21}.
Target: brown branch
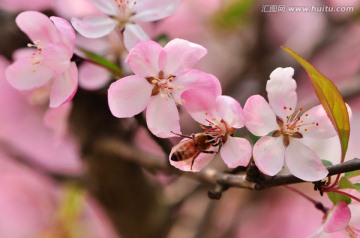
{"x": 212, "y": 176}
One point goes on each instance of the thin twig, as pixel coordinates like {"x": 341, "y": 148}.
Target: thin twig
{"x": 212, "y": 176}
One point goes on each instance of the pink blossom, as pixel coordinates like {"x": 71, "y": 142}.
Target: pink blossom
{"x": 22, "y": 129}
{"x": 161, "y": 76}
{"x": 282, "y": 128}
{"x": 31, "y": 206}
{"x": 336, "y": 219}
{"x": 124, "y": 14}
{"x": 49, "y": 64}
{"x": 221, "y": 116}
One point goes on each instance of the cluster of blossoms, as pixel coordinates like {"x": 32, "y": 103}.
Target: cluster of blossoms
{"x": 163, "y": 80}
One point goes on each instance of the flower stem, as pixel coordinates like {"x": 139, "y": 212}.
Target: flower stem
{"x": 318, "y": 205}
{"x": 333, "y": 185}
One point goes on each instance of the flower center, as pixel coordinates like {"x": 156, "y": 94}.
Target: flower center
{"x": 36, "y": 57}
{"x": 218, "y": 131}
{"x": 164, "y": 86}
{"x": 293, "y": 126}
{"x": 125, "y": 11}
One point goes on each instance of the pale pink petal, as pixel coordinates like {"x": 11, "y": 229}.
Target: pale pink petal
{"x": 230, "y": 111}
{"x": 200, "y": 105}
{"x": 316, "y": 124}
{"x": 22, "y": 53}
{"x": 200, "y": 162}
{"x": 64, "y": 86}
{"x": 153, "y": 10}
{"x": 23, "y": 75}
{"x": 318, "y": 233}
{"x": 236, "y": 152}
{"x": 67, "y": 32}
{"x": 56, "y": 57}
{"x": 57, "y": 119}
{"x": 269, "y": 154}
{"x": 337, "y": 218}
{"x": 129, "y": 96}
{"x": 133, "y": 34}
{"x": 106, "y": 6}
{"x": 38, "y": 27}
{"x": 259, "y": 118}
{"x": 94, "y": 26}
{"x": 162, "y": 117}
{"x": 180, "y": 56}
{"x": 196, "y": 79}
{"x": 93, "y": 77}
{"x": 355, "y": 215}
{"x": 303, "y": 162}
{"x": 18, "y": 6}
{"x": 281, "y": 92}
{"x": 144, "y": 57}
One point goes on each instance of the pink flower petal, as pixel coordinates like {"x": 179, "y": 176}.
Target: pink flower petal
{"x": 230, "y": 111}
{"x": 316, "y": 123}
{"x": 18, "y": 6}
{"x": 196, "y": 79}
{"x": 259, "y": 118}
{"x": 181, "y": 56}
{"x": 162, "y": 117}
{"x": 22, "y": 53}
{"x": 67, "y": 32}
{"x": 236, "y": 152}
{"x": 303, "y": 162}
{"x": 93, "y": 77}
{"x": 200, "y": 105}
{"x": 57, "y": 120}
{"x": 23, "y": 75}
{"x": 94, "y": 26}
{"x": 153, "y": 10}
{"x": 355, "y": 215}
{"x": 269, "y": 154}
{"x": 129, "y": 96}
{"x": 106, "y": 6}
{"x": 144, "y": 58}
{"x": 133, "y": 34}
{"x": 38, "y": 27}
{"x": 200, "y": 162}
{"x": 56, "y": 57}
{"x": 281, "y": 92}
{"x": 337, "y": 218}
{"x": 64, "y": 87}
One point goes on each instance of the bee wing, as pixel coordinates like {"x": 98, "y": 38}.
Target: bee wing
{"x": 200, "y": 160}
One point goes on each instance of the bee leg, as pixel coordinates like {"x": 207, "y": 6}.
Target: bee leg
{"x": 184, "y": 136}
{"x": 192, "y": 163}
{"x": 209, "y": 152}
{"x": 193, "y": 160}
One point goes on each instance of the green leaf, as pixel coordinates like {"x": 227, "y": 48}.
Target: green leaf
{"x": 70, "y": 210}
{"x": 352, "y": 173}
{"x": 357, "y": 186}
{"x": 162, "y": 39}
{"x": 345, "y": 183}
{"x": 335, "y": 198}
{"x": 253, "y": 137}
{"x": 100, "y": 60}
{"x": 331, "y": 99}
{"x": 326, "y": 162}
{"x": 238, "y": 11}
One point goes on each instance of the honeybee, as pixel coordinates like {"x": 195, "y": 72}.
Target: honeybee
{"x": 192, "y": 148}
